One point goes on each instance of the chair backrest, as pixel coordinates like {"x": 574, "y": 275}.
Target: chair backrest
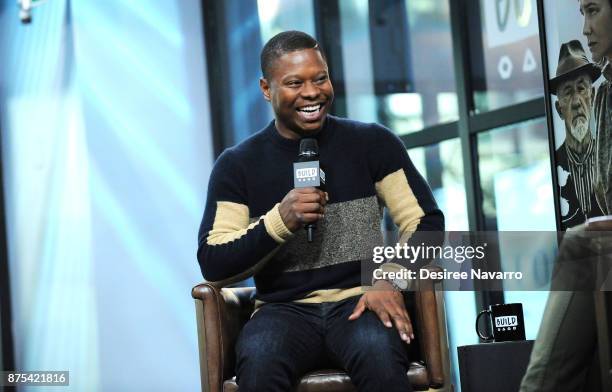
{"x": 221, "y": 314}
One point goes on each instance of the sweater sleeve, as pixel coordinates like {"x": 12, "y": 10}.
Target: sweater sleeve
{"x": 401, "y": 188}
{"x": 232, "y": 245}
{"x": 404, "y": 192}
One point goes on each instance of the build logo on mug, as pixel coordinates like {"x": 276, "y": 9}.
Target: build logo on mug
{"x": 506, "y": 322}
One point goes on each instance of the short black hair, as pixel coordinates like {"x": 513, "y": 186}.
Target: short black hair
{"x": 285, "y": 42}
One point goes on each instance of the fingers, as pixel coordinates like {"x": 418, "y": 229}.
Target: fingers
{"x": 404, "y": 326}
{"x": 391, "y": 311}
{"x": 359, "y": 309}
{"x": 307, "y": 217}
{"x": 402, "y": 322}
{"x": 384, "y": 317}
{"x": 309, "y": 205}
{"x": 312, "y": 195}
{"x": 302, "y": 206}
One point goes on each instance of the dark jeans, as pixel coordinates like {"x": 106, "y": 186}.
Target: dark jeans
{"x": 283, "y": 341}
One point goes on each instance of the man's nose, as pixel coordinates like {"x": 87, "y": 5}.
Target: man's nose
{"x": 309, "y": 90}
{"x": 575, "y": 102}
{"x": 586, "y": 27}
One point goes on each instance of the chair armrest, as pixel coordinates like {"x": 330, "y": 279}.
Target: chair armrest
{"x": 428, "y": 325}
{"x": 221, "y": 314}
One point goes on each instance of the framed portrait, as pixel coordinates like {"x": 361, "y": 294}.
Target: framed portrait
{"x": 576, "y": 44}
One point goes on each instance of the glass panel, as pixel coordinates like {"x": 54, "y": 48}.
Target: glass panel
{"x": 276, "y": 16}
{"x": 442, "y": 167}
{"x": 428, "y": 97}
{"x": 356, "y": 53}
{"x": 516, "y": 184}
{"x": 505, "y": 49}
{"x": 515, "y": 177}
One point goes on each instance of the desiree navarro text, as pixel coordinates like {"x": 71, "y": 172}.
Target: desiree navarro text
{"x": 405, "y": 274}
{"x": 413, "y": 253}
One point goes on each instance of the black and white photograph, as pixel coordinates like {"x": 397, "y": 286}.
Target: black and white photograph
{"x": 579, "y": 49}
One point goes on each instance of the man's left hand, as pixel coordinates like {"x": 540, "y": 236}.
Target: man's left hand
{"x": 388, "y": 304}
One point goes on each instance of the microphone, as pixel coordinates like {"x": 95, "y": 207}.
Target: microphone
{"x": 307, "y": 172}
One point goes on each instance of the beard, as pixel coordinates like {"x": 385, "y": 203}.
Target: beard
{"x": 580, "y": 128}
{"x": 579, "y": 138}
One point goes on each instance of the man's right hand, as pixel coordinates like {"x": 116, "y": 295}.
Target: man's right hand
{"x": 301, "y": 206}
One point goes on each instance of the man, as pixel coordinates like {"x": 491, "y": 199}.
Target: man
{"x": 573, "y": 86}
{"x": 312, "y": 307}
{"x": 597, "y": 30}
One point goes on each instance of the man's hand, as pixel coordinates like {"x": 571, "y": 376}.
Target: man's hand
{"x": 301, "y": 206}
{"x": 388, "y": 304}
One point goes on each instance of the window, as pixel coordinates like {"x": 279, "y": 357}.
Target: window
{"x": 442, "y": 167}
{"x": 505, "y": 53}
{"x": 276, "y": 16}
{"x": 517, "y": 194}
{"x": 415, "y": 90}
{"x": 516, "y": 178}
{"x": 477, "y": 134}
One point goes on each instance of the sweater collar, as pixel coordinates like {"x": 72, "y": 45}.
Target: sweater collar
{"x": 322, "y": 137}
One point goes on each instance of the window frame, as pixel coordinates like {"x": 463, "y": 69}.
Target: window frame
{"x": 7, "y": 360}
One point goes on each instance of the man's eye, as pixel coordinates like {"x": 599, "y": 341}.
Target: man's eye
{"x": 293, "y": 83}
{"x": 591, "y": 11}
{"x": 321, "y": 79}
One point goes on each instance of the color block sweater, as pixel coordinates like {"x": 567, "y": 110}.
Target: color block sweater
{"x": 242, "y": 233}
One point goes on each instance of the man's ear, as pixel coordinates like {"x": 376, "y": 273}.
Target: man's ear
{"x": 558, "y": 107}
{"x": 264, "y": 86}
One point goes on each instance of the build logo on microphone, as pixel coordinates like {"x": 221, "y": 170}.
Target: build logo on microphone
{"x": 306, "y": 174}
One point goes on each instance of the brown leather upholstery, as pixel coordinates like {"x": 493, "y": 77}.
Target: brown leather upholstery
{"x": 221, "y": 313}
{"x": 429, "y": 331}
{"x": 339, "y": 381}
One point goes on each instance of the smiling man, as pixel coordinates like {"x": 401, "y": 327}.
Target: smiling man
{"x": 300, "y": 90}
{"x": 313, "y": 310}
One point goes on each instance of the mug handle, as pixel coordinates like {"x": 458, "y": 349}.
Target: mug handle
{"x": 483, "y": 337}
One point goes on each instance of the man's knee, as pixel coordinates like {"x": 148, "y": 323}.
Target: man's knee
{"x": 259, "y": 350}
{"x": 262, "y": 362}
{"x": 377, "y": 357}
{"x": 264, "y": 373}
{"x": 377, "y": 345}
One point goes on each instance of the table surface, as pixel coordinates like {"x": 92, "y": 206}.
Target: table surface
{"x": 495, "y": 366}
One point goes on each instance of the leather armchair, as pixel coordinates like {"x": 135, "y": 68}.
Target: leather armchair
{"x": 222, "y": 312}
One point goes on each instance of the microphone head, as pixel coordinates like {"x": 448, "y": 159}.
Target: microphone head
{"x": 309, "y": 147}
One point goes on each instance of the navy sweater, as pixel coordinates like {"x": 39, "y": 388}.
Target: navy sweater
{"x": 242, "y": 234}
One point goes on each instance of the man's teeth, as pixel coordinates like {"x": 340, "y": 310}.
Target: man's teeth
{"x": 310, "y": 108}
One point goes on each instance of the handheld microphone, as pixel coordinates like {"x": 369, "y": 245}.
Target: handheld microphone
{"x": 307, "y": 172}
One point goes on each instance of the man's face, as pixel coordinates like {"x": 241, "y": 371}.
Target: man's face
{"x": 574, "y": 105}
{"x": 598, "y": 27}
{"x": 300, "y": 92}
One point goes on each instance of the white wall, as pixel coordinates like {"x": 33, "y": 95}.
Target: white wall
{"x": 106, "y": 144}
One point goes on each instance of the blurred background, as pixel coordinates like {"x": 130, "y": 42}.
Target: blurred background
{"x": 113, "y": 112}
